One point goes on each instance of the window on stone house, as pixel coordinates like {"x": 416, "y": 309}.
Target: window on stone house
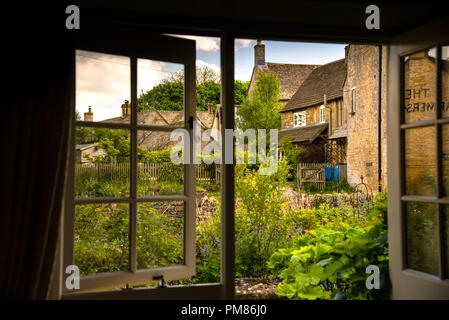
{"x": 353, "y": 100}
{"x": 299, "y": 119}
{"x": 322, "y": 114}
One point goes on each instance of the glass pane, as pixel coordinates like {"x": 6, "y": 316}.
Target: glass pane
{"x": 102, "y": 162}
{"x": 101, "y": 237}
{"x": 419, "y": 86}
{"x": 160, "y": 88}
{"x": 103, "y": 86}
{"x": 445, "y": 81}
{"x": 446, "y": 239}
{"x": 160, "y": 234}
{"x": 420, "y": 158}
{"x": 157, "y": 175}
{"x": 422, "y": 237}
{"x": 445, "y": 158}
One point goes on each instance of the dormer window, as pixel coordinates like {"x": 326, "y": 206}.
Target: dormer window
{"x": 299, "y": 119}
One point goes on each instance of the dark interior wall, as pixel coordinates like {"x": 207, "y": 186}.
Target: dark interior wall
{"x": 340, "y": 21}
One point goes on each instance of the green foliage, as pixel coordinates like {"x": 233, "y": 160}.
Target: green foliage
{"x": 240, "y": 91}
{"x": 330, "y": 261}
{"x": 169, "y": 95}
{"x": 160, "y": 238}
{"x": 206, "y": 92}
{"x": 164, "y": 96}
{"x": 261, "y": 109}
{"x": 292, "y": 154}
{"x": 340, "y": 186}
{"x": 259, "y": 218}
{"x": 102, "y": 238}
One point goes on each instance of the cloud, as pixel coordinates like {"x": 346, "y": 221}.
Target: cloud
{"x": 242, "y": 43}
{"x": 103, "y": 81}
{"x": 210, "y": 65}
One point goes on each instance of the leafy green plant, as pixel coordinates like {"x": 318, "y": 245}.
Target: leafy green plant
{"x": 330, "y": 262}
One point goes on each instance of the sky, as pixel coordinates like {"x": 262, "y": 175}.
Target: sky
{"x": 103, "y": 81}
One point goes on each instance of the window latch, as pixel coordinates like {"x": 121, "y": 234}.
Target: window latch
{"x": 191, "y": 122}
{"x": 161, "y": 281}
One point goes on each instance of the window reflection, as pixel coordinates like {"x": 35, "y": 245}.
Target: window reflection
{"x": 420, "y": 170}
{"x": 419, "y": 86}
{"x": 422, "y": 237}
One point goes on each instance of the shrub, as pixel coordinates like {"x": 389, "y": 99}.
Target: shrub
{"x": 330, "y": 261}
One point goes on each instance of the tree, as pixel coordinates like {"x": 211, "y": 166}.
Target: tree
{"x": 170, "y": 95}
{"x": 240, "y": 91}
{"x": 261, "y": 110}
{"x": 165, "y": 96}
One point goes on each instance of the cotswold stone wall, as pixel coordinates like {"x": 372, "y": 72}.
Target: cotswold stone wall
{"x": 362, "y": 125}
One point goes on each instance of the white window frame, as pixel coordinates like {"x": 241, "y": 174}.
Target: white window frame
{"x": 322, "y": 113}
{"x": 169, "y": 49}
{"x": 299, "y": 119}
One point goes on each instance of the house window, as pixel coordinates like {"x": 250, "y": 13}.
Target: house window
{"x": 299, "y": 119}
{"x": 322, "y": 114}
{"x": 353, "y": 100}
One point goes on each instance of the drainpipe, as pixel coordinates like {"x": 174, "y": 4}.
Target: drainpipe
{"x": 379, "y": 122}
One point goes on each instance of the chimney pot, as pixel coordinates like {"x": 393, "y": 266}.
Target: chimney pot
{"x": 259, "y": 54}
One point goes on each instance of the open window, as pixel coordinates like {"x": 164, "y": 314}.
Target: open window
{"x": 120, "y": 218}
{"x": 418, "y": 147}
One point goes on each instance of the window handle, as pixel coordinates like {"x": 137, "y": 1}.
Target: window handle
{"x": 161, "y": 281}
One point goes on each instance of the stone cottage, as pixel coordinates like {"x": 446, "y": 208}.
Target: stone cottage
{"x": 338, "y": 114}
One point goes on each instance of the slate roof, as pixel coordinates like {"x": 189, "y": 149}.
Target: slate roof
{"x": 157, "y": 140}
{"x": 306, "y": 134}
{"x": 291, "y": 76}
{"x": 327, "y": 79}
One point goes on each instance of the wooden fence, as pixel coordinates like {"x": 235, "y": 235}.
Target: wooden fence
{"x": 315, "y": 173}
{"x": 204, "y": 172}
{"x": 312, "y": 173}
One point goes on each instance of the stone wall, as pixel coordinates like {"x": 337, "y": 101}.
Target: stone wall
{"x": 362, "y": 125}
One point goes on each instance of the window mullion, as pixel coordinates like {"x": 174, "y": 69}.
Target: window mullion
{"x": 133, "y": 191}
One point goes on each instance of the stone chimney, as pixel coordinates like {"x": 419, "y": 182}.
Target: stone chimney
{"x": 89, "y": 116}
{"x": 210, "y": 108}
{"x": 346, "y": 53}
{"x": 126, "y": 109}
{"x": 259, "y": 54}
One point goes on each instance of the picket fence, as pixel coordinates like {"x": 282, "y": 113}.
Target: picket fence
{"x": 116, "y": 171}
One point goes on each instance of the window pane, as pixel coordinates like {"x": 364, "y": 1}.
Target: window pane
{"x": 160, "y": 234}
{"x": 420, "y": 170}
{"x": 445, "y": 158}
{"x": 103, "y": 84}
{"x": 157, "y": 174}
{"x": 422, "y": 237}
{"x": 160, "y": 88}
{"x": 419, "y": 86}
{"x": 102, "y": 162}
{"x": 445, "y": 81}
{"x": 101, "y": 237}
{"x": 446, "y": 239}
